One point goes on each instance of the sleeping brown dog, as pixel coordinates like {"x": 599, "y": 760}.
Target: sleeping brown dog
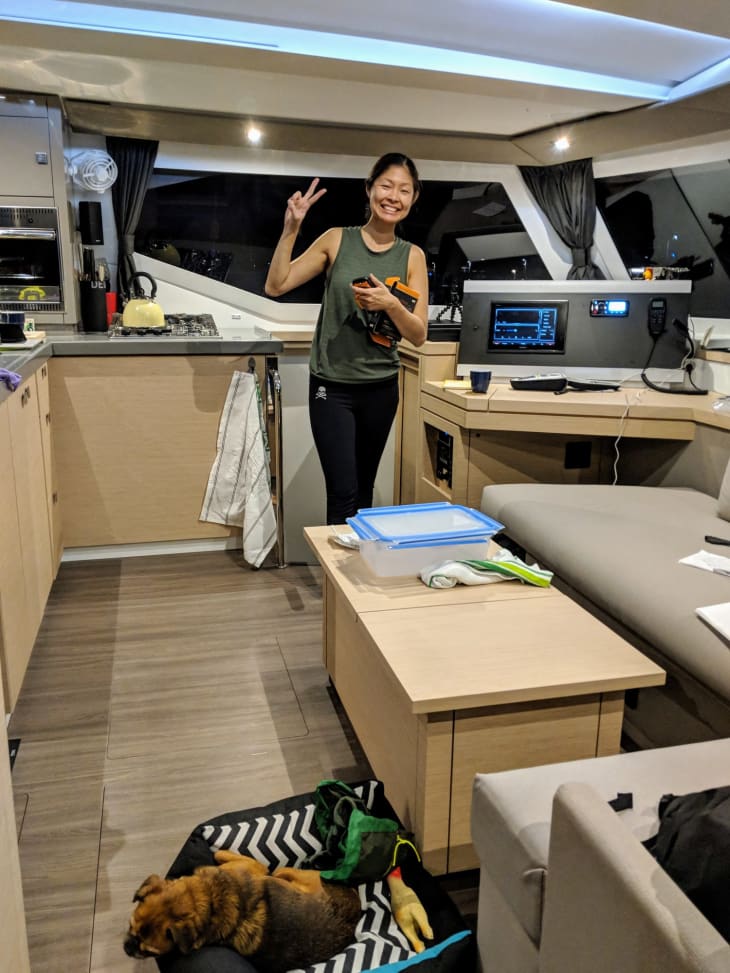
{"x": 280, "y": 921}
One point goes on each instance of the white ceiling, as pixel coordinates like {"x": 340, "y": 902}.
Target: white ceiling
{"x": 517, "y": 70}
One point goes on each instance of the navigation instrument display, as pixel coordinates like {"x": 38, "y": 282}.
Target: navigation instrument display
{"x": 529, "y": 326}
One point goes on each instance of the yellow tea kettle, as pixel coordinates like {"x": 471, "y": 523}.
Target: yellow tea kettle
{"x": 142, "y": 311}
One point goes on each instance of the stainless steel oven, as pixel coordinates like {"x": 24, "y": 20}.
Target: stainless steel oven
{"x": 30, "y": 259}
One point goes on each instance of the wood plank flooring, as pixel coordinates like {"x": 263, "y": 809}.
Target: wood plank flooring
{"x": 161, "y": 691}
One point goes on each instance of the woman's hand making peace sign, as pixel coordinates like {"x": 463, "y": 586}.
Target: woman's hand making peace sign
{"x": 297, "y": 206}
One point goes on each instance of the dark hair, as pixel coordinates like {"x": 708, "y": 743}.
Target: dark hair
{"x": 394, "y": 159}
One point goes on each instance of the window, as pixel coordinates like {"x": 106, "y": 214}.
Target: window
{"x": 676, "y": 218}
{"x": 226, "y": 226}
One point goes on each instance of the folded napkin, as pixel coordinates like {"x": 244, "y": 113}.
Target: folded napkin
{"x": 708, "y": 562}
{"x": 504, "y": 566}
{"x": 11, "y": 379}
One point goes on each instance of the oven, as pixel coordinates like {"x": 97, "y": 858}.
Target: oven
{"x": 30, "y": 259}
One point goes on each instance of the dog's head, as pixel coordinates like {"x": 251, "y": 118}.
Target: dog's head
{"x": 165, "y": 917}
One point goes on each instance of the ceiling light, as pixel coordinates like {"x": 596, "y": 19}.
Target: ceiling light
{"x": 561, "y": 144}
{"x": 253, "y": 134}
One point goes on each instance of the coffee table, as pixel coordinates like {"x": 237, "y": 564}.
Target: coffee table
{"x": 441, "y": 684}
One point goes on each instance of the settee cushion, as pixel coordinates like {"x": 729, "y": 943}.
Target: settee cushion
{"x": 511, "y": 810}
{"x": 619, "y": 546}
{"x": 610, "y": 906}
{"x": 723, "y": 500}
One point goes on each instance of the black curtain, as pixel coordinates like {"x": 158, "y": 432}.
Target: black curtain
{"x": 135, "y": 159}
{"x": 566, "y": 194}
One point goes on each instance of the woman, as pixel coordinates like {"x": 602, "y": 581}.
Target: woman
{"x": 353, "y": 386}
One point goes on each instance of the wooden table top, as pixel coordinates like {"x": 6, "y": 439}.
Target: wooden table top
{"x": 507, "y": 642}
{"x": 366, "y": 592}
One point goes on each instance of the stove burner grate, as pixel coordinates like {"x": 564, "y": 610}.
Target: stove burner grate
{"x": 176, "y": 325}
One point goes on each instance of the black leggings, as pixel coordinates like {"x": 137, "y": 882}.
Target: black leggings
{"x": 350, "y": 425}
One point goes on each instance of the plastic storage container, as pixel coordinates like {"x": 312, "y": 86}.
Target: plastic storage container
{"x": 405, "y": 540}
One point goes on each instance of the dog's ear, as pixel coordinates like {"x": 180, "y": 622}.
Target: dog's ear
{"x": 184, "y": 935}
{"x": 153, "y": 883}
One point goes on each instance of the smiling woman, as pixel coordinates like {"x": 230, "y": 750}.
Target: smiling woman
{"x": 353, "y": 392}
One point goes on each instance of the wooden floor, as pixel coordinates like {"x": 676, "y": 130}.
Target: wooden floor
{"x": 161, "y": 691}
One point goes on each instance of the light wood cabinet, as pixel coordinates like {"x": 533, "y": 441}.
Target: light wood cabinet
{"x": 16, "y": 638}
{"x": 135, "y": 440}
{"x": 49, "y": 466}
{"x": 434, "y": 361}
{"x": 14, "y": 939}
{"x": 26, "y": 564}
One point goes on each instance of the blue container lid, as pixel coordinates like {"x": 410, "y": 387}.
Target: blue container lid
{"x": 423, "y": 524}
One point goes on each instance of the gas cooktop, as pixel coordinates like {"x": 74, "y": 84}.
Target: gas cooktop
{"x": 176, "y": 326}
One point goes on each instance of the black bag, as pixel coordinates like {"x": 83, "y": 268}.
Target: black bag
{"x": 693, "y": 846}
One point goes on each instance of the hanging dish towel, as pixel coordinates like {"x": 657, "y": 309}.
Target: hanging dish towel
{"x": 239, "y": 485}
{"x": 502, "y": 567}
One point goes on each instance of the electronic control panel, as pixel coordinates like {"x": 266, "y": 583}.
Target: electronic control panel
{"x": 607, "y": 307}
{"x": 597, "y": 324}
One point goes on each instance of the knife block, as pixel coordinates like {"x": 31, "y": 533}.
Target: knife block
{"x": 93, "y": 305}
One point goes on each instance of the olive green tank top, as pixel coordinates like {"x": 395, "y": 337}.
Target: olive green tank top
{"x": 342, "y": 350}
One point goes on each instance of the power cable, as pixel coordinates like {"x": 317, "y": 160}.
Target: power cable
{"x": 686, "y": 362}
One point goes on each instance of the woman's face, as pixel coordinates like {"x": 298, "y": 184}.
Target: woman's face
{"x": 392, "y": 194}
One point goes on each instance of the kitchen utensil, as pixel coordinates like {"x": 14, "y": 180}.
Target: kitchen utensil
{"x": 93, "y": 305}
{"x": 142, "y": 312}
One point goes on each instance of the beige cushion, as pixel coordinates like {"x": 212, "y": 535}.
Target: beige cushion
{"x": 511, "y": 810}
{"x": 610, "y": 906}
{"x": 723, "y": 500}
{"x": 619, "y": 546}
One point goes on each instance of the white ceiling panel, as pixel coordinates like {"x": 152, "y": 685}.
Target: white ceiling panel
{"x": 497, "y": 68}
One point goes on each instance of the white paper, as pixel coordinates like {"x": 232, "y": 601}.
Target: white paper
{"x": 718, "y": 616}
{"x": 708, "y": 562}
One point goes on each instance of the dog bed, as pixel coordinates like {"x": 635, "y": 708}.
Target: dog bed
{"x": 284, "y": 833}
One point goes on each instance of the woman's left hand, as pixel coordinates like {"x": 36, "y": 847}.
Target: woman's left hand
{"x": 374, "y": 296}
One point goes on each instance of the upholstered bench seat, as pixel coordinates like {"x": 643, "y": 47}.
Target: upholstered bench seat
{"x": 618, "y": 548}
{"x": 511, "y": 817}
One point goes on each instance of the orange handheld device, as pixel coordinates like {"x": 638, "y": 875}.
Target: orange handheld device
{"x": 381, "y": 329}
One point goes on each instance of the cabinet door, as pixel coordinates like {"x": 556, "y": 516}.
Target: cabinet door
{"x": 49, "y": 466}
{"x": 16, "y": 638}
{"x": 30, "y": 484}
{"x": 15, "y": 942}
{"x": 26, "y": 143}
{"x": 135, "y": 439}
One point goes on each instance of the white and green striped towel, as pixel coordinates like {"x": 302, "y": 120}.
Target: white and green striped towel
{"x": 504, "y": 566}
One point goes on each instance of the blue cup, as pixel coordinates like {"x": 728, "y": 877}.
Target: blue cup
{"x": 480, "y": 381}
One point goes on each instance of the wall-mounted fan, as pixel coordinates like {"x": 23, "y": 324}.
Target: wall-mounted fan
{"x": 92, "y": 169}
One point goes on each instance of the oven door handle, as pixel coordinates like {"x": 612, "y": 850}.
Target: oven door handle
{"x": 14, "y": 233}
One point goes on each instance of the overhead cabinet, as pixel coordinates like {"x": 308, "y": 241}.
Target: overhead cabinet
{"x": 25, "y": 161}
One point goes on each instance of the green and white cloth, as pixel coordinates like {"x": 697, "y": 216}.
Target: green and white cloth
{"x": 504, "y": 566}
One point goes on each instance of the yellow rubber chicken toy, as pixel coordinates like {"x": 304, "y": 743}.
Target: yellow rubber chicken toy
{"x": 408, "y": 911}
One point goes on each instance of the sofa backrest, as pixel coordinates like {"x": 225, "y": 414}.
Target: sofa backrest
{"x": 609, "y": 906}
{"x": 723, "y": 499}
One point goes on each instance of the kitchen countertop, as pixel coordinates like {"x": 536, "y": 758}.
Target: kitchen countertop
{"x": 76, "y": 344}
